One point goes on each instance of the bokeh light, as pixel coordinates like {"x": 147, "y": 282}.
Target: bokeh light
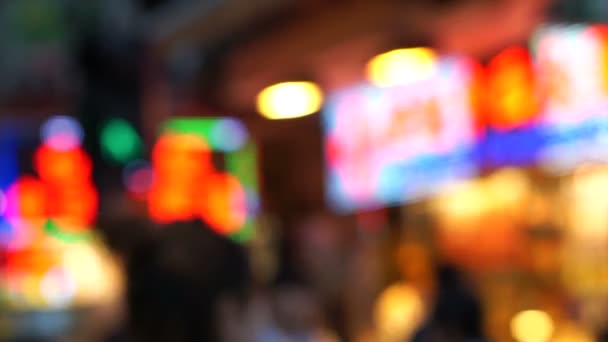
{"x": 3, "y": 203}
{"x": 185, "y": 183}
{"x": 62, "y": 133}
{"x": 57, "y": 288}
{"x": 138, "y": 177}
{"x": 289, "y": 100}
{"x": 180, "y": 157}
{"x": 62, "y": 167}
{"x": 398, "y": 312}
{"x": 167, "y": 203}
{"x": 229, "y": 135}
{"x": 223, "y": 203}
{"x": 120, "y": 141}
{"x": 402, "y": 66}
{"x": 512, "y": 98}
{"x": 532, "y": 326}
{"x": 94, "y": 271}
{"x": 28, "y": 201}
{"x": 74, "y": 207}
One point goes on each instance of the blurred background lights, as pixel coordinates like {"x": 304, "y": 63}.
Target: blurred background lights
{"x": 62, "y": 167}
{"x": 119, "y": 140}
{"x": 28, "y": 200}
{"x": 289, "y": 100}
{"x": 402, "y": 66}
{"x": 224, "y": 205}
{"x": 532, "y": 326}
{"x": 229, "y": 135}
{"x": 2, "y": 203}
{"x": 57, "y": 287}
{"x": 398, "y": 312}
{"x": 138, "y": 177}
{"x": 180, "y": 157}
{"x": 221, "y": 134}
{"x": 61, "y": 133}
{"x": 512, "y": 99}
{"x": 94, "y": 272}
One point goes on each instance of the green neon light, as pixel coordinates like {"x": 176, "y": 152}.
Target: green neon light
{"x": 52, "y": 229}
{"x": 120, "y": 141}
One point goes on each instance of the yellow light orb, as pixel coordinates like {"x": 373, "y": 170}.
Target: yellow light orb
{"x": 399, "y": 311}
{"x": 402, "y": 66}
{"x": 289, "y": 100}
{"x": 96, "y": 274}
{"x": 532, "y": 326}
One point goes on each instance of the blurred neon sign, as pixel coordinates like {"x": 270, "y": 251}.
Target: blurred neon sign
{"x": 389, "y": 145}
{"x": 61, "y": 195}
{"x": 510, "y": 96}
{"x": 187, "y": 184}
{"x": 572, "y": 66}
{"x": 44, "y": 217}
{"x": 550, "y": 105}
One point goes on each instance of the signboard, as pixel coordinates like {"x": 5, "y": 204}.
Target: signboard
{"x": 389, "y": 145}
{"x": 572, "y": 65}
{"x": 546, "y": 105}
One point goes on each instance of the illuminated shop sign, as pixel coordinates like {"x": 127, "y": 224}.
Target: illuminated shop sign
{"x": 546, "y": 105}
{"x": 389, "y": 145}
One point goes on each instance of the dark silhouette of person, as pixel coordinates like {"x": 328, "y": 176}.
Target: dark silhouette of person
{"x": 180, "y": 280}
{"x": 457, "y": 315}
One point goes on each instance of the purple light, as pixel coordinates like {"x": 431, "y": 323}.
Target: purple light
{"x": 62, "y": 133}
{"x": 138, "y": 177}
{"x": 229, "y": 135}
{"x": 3, "y": 203}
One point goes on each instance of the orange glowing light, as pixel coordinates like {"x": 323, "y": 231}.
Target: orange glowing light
{"x": 511, "y": 99}
{"x": 30, "y": 260}
{"x": 222, "y": 203}
{"x": 62, "y": 167}
{"x": 477, "y": 95}
{"x": 168, "y": 204}
{"x": 29, "y": 199}
{"x": 601, "y": 31}
{"x": 181, "y": 156}
{"x": 74, "y": 208}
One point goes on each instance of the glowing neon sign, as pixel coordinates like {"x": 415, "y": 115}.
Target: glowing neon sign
{"x": 187, "y": 185}
{"x": 388, "y": 145}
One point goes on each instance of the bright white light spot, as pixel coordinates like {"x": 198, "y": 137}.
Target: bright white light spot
{"x": 532, "y": 326}
{"x": 402, "y": 66}
{"x": 58, "y": 288}
{"x": 289, "y": 100}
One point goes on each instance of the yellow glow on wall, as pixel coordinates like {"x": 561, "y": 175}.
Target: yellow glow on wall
{"x": 402, "y": 66}
{"x": 532, "y": 326}
{"x": 289, "y": 100}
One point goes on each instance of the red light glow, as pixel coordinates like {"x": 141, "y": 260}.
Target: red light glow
{"x": 222, "y": 203}
{"x": 29, "y": 260}
{"x": 62, "y": 167}
{"x": 74, "y": 207}
{"x": 181, "y": 157}
{"x": 511, "y": 99}
{"x": 28, "y": 200}
{"x": 601, "y": 31}
{"x": 168, "y": 204}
